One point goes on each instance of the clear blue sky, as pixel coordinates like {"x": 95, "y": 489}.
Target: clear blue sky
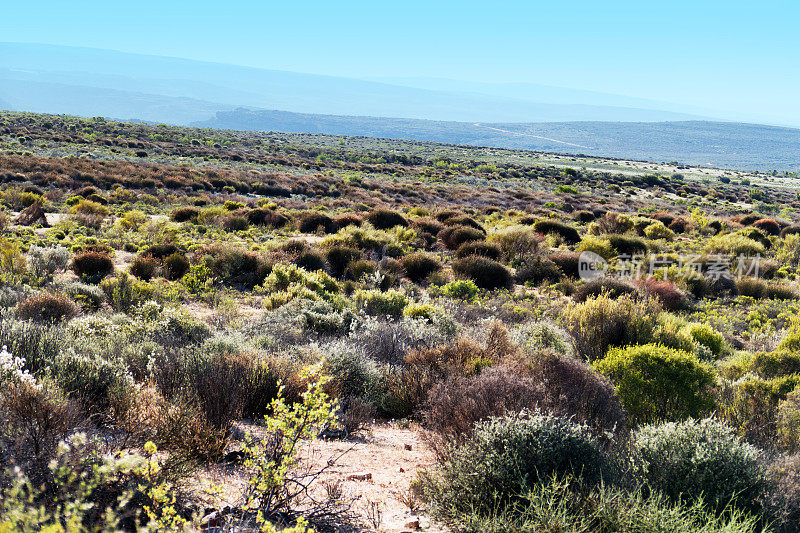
{"x": 734, "y": 55}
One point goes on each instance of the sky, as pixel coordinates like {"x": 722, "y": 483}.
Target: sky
{"x": 733, "y": 56}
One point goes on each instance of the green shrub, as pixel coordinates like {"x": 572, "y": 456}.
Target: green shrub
{"x": 238, "y": 266}
{"x": 734, "y": 244}
{"x": 47, "y": 307}
{"x": 658, "y": 230}
{"x": 516, "y": 242}
{"x": 627, "y": 244}
{"x": 600, "y": 246}
{"x": 486, "y": 274}
{"x": 692, "y": 459}
{"x": 656, "y": 383}
{"x": 418, "y": 266}
{"x": 565, "y": 505}
{"x": 461, "y": 289}
{"x": 123, "y": 292}
{"x": 376, "y": 303}
{"x": 92, "y": 266}
{"x": 602, "y": 322}
{"x": 507, "y": 456}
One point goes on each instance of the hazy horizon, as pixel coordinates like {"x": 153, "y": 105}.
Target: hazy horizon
{"x": 730, "y": 61}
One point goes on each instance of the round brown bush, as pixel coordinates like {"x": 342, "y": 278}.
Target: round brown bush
{"x": 567, "y": 262}
{"x": 768, "y": 226}
{"x": 428, "y": 225}
{"x": 235, "y": 223}
{"x": 419, "y": 266}
{"x": 160, "y": 251}
{"x": 144, "y": 267}
{"x": 486, "y": 274}
{"x": 613, "y": 287}
{"x": 175, "y": 266}
{"x": 538, "y": 269}
{"x": 479, "y": 248}
{"x": 455, "y": 236}
{"x": 465, "y": 221}
{"x": 348, "y": 219}
{"x": 565, "y": 231}
{"x": 386, "y": 219}
{"x": 47, "y": 307}
{"x": 92, "y": 266}
{"x": 185, "y": 214}
{"x": 339, "y": 257}
{"x": 313, "y": 221}
{"x": 679, "y": 225}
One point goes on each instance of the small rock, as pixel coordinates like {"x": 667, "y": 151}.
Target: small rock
{"x": 365, "y": 476}
{"x": 408, "y": 447}
{"x": 402, "y": 469}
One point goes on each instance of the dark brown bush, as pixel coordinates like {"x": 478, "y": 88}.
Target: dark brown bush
{"x": 671, "y": 298}
{"x": 238, "y": 266}
{"x": 768, "y": 226}
{"x": 567, "y": 262}
{"x": 574, "y": 389}
{"x": 537, "y": 269}
{"x": 310, "y": 260}
{"x": 313, "y": 221}
{"x": 486, "y": 274}
{"x": 679, "y": 225}
{"x": 386, "y": 219}
{"x": 160, "y": 251}
{"x": 443, "y": 216}
{"x": 418, "y": 266}
{"x": 235, "y": 223}
{"x": 664, "y": 218}
{"x": 790, "y": 230}
{"x": 185, "y": 214}
{"x": 428, "y": 225}
{"x": 465, "y": 221}
{"x": 746, "y": 220}
{"x": 583, "y": 217}
{"x": 565, "y": 231}
{"x": 627, "y": 244}
{"x": 479, "y": 248}
{"x": 339, "y": 257}
{"x": 144, "y": 267}
{"x": 92, "y": 266}
{"x": 454, "y": 405}
{"x": 454, "y": 236}
{"x": 348, "y": 219}
{"x": 175, "y": 266}
{"x": 47, "y": 307}
{"x": 613, "y": 287}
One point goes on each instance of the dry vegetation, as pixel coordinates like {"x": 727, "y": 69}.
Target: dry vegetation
{"x": 197, "y": 309}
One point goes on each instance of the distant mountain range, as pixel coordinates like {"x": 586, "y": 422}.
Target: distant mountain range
{"x": 60, "y": 79}
{"x": 91, "y": 82}
{"x": 718, "y": 144}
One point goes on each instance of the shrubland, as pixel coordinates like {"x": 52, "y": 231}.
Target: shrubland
{"x": 188, "y": 283}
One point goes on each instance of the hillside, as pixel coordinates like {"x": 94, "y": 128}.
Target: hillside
{"x": 720, "y": 144}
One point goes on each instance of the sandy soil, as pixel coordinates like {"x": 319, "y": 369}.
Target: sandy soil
{"x": 374, "y": 472}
